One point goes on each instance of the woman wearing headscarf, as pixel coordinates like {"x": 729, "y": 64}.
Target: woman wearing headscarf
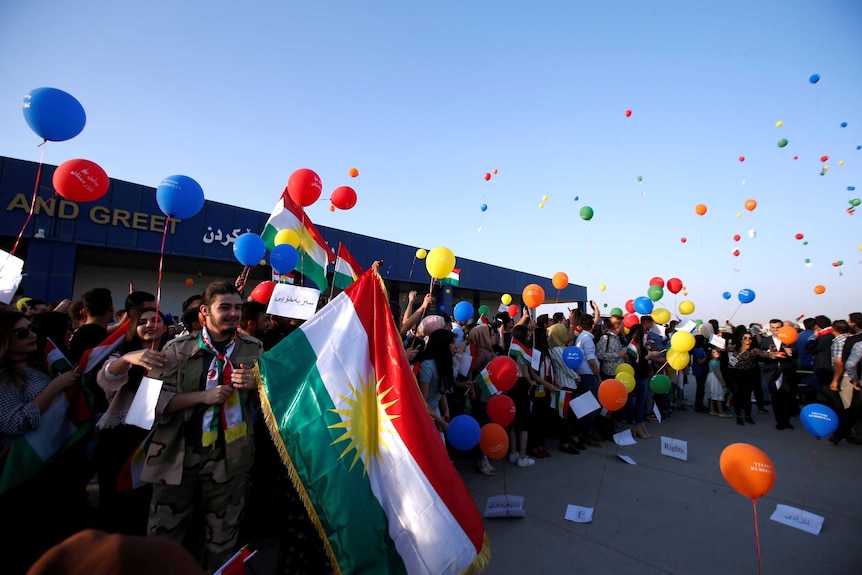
{"x": 567, "y": 379}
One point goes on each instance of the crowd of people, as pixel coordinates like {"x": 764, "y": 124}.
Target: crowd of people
{"x": 208, "y": 477}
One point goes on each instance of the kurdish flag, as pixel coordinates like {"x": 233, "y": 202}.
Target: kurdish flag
{"x": 483, "y": 380}
{"x": 454, "y": 278}
{"x": 352, "y": 428}
{"x": 564, "y": 396}
{"x": 95, "y": 355}
{"x": 314, "y": 254}
{"x": 346, "y": 268}
{"x": 632, "y": 350}
{"x": 519, "y": 351}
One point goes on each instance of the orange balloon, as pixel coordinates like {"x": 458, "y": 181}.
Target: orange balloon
{"x": 787, "y": 335}
{"x": 560, "y": 280}
{"x": 494, "y": 441}
{"x": 613, "y": 394}
{"x": 750, "y": 205}
{"x": 533, "y": 295}
{"x": 495, "y": 171}
{"x": 190, "y": 282}
{"x": 700, "y": 209}
{"x": 819, "y": 289}
{"x": 747, "y": 469}
{"x": 352, "y": 172}
{"x": 331, "y": 208}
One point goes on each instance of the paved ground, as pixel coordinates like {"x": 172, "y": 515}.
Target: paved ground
{"x": 670, "y": 516}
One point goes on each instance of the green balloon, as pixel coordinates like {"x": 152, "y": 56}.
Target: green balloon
{"x": 586, "y": 213}
{"x": 617, "y": 311}
{"x": 808, "y": 260}
{"x": 782, "y": 142}
{"x": 655, "y": 293}
{"x": 822, "y": 173}
{"x": 698, "y": 322}
{"x": 640, "y": 178}
{"x": 660, "y": 384}
{"x": 805, "y": 243}
{"x": 855, "y": 202}
{"x": 840, "y": 263}
{"x": 605, "y": 305}
{"x": 483, "y": 310}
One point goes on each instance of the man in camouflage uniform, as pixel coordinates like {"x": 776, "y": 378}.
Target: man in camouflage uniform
{"x": 202, "y": 447}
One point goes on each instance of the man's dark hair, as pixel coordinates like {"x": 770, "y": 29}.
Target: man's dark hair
{"x": 855, "y": 317}
{"x": 645, "y": 318}
{"x": 822, "y": 321}
{"x": 840, "y": 326}
{"x": 251, "y": 310}
{"x": 559, "y": 317}
{"x": 97, "y": 301}
{"x": 781, "y": 321}
{"x": 809, "y": 323}
{"x": 189, "y": 300}
{"x": 30, "y": 304}
{"x": 190, "y": 317}
{"x": 136, "y": 300}
{"x": 587, "y": 322}
{"x": 217, "y": 289}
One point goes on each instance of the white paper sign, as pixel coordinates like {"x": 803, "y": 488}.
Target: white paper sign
{"x": 624, "y": 437}
{"x": 10, "y": 275}
{"x": 584, "y": 404}
{"x": 676, "y": 448}
{"x": 627, "y": 459}
{"x": 142, "y": 412}
{"x": 717, "y": 341}
{"x": 657, "y": 412}
{"x": 505, "y": 506}
{"x": 798, "y": 519}
{"x": 579, "y": 514}
{"x": 536, "y": 359}
{"x": 465, "y": 363}
{"x": 687, "y": 325}
{"x": 292, "y": 301}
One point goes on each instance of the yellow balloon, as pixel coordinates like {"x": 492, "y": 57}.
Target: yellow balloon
{"x": 628, "y": 381}
{"x": 506, "y": 299}
{"x": 625, "y": 368}
{"x": 544, "y": 198}
{"x": 779, "y": 123}
{"x": 541, "y": 206}
{"x": 420, "y": 254}
{"x": 661, "y": 315}
{"x": 440, "y": 262}
{"x": 686, "y": 307}
{"x": 738, "y": 215}
{"x": 603, "y": 287}
{"x": 825, "y": 168}
{"x": 263, "y": 262}
{"x": 286, "y": 237}
{"x": 626, "y": 330}
{"x": 682, "y": 341}
{"x": 677, "y": 359}
{"x": 840, "y": 162}
{"x": 860, "y": 247}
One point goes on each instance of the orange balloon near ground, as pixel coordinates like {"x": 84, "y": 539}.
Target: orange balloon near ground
{"x": 560, "y": 280}
{"x": 819, "y": 289}
{"x": 700, "y": 209}
{"x": 747, "y": 469}
{"x": 494, "y": 441}
{"x": 613, "y": 394}
{"x": 533, "y": 295}
{"x": 788, "y": 335}
{"x": 352, "y": 172}
{"x": 750, "y": 205}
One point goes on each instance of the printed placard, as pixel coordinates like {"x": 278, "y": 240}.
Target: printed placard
{"x": 798, "y": 519}
{"x": 505, "y": 506}
{"x": 579, "y": 514}
{"x": 676, "y": 448}
{"x": 292, "y": 301}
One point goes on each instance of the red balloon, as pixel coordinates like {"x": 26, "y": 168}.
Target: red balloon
{"x": 674, "y": 285}
{"x": 657, "y": 281}
{"x": 741, "y": 158}
{"x": 630, "y": 306}
{"x": 487, "y": 176}
{"x": 628, "y": 113}
{"x": 503, "y": 372}
{"x": 799, "y": 236}
{"x": 795, "y": 157}
{"x": 343, "y": 197}
{"x": 735, "y": 253}
{"x": 262, "y": 292}
{"x": 824, "y": 158}
{"x": 501, "y": 410}
{"x": 80, "y": 181}
{"x": 304, "y": 187}
{"x": 630, "y": 320}
{"x": 683, "y": 240}
{"x": 736, "y": 237}
{"x": 513, "y": 310}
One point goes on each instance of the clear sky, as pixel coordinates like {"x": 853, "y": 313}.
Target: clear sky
{"x": 424, "y": 98}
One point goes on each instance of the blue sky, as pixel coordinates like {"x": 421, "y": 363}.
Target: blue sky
{"x": 424, "y": 98}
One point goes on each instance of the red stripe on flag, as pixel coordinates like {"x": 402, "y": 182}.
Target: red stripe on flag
{"x": 414, "y": 426}
{"x": 346, "y": 256}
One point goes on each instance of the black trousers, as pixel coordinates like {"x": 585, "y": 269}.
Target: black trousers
{"x": 742, "y": 382}
{"x": 783, "y": 402}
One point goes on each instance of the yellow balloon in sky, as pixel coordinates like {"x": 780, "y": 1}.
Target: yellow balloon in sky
{"x": 660, "y": 315}
{"x": 678, "y": 360}
{"x": 603, "y": 287}
{"x": 541, "y": 205}
{"x": 840, "y": 162}
{"x": 779, "y": 123}
{"x": 738, "y": 215}
{"x": 440, "y": 262}
{"x": 506, "y": 299}
{"x": 825, "y": 168}
{"x": 686, "y": 307}
{"x": 420, "y": 254}
{"x": 286, "y": 237}
{"x": 544, "y": 198}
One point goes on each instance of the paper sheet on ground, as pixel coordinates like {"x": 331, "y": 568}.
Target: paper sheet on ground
{"x": 627, "y": 459}
{"x": 657, "y": 412}
{"x": 505, "y": 506}
{"x": 584, "y": 404}
{"x": 798, "y": 519}
{"x": 579, "y": 514}
{"x": 142, "y": 412}
{"x": 624, "y": 437}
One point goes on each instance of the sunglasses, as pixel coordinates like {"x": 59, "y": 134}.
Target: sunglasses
{"x": 21, "y": 332}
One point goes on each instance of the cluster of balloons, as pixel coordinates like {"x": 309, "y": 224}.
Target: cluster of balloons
{"x": 304, "y": 188}
{"x": 487, "y": 175}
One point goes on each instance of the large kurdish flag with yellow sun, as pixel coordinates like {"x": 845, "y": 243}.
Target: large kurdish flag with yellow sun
{"x": 352, "y": 428}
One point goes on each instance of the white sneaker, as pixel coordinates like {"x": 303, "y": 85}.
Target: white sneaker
{"x": 526, "y": 462}
{"x": 513, "y": 458}
{"x": 485, "y": 467}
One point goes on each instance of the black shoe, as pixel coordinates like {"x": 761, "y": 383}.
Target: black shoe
{"x": 835, "y": 439}
{"x": 780, "y": 427}
{"x": 748, "y": 419}
{"x": 739, "y": 421}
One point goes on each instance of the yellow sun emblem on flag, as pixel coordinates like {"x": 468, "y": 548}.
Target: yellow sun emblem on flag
{"x": 306, "y": 241}
{"x": 364, "y": 417}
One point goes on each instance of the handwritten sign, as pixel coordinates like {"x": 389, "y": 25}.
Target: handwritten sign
{"x": 505, "y": 506}
{"x": 10, "y": 275}
{"x": 797, "y": 518}
{"x": 536, "y": 359}
{"x": 584, "y": 404}
{"x": 579, "y": 514}
{"x": 676, "y": 448}
{"x": 293, "y": 301}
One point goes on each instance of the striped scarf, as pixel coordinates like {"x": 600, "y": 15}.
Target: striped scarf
{"x": 228, "y": 416}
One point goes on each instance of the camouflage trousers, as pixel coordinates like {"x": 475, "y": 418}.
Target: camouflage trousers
{"x": 221, "y": 500}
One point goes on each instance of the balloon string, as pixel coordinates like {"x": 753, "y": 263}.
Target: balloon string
{"x": 301, "y": 259}
{"x": 734, "y": 311}
{"x": 810, "y": 471}
{"x": 757, "y": 537}
{"x": 161, "y": 268}
{"x": 410, "y": 277}
{"x": 506, "y": 487}
{"x": 33, "y": 201}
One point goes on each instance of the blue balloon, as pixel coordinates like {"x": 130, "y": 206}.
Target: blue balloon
{"x": 283, "y": 259}
{"x": 746, "y": 295}
{"x": 463, "y": 432}
{"x": 843, "y": 124}
{"x": 814, "y": 78}
{"x": 851, "y": 188}
{"x": 442, "y": 308}
{"x": 573, "y": 357}
{"x": 859, "y": 147}
{"x": 463, "y": 311}
{"x": 576, "y": 198}
{"x": 484, "y": 207}
{"x": 818, "y": 420}
{"x": 643, "y": 305}
{"x": 53, "y": 114}
{"x": 249, "y": 249}
{"x": 180, "y": 197}
{"x": 726, "y": 295}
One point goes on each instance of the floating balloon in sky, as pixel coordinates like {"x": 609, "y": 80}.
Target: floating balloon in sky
{"x": 795, "y": 157}
{"x": 736, "y": 237}
{"x": 840, "y": 162}
{"x": 640, "y": 178}
{"x": 683, "y": 240}
{"x": 353, "y": 172}
{"x": 735, "y": 253}
{"x": 544, "y": 198}
{"x": 700, "y": 209}
{"x": 799, "y": 236}
{"x": 752, "y": 233}
{"x": 819, "y": 289}
{"x": 541, "y": 206}
{"x": 824, "y": 158}
{"x": 576, "y": 198}
{"x": 851, "y": 188}
{"x": 814, "y": 78}
{"x": 855, "y": 202}
{"x": 726, "y": 295}
{"x": 487, "y": 176}
{"x": 750, "y": 205}
{"x": 843, "y": 124}
{"x": 496, "y": 171}
{"x": 782, "y": 142}
{"x": 738, "y": 215}
{"x": 484, "y": 207}
{"x": 586, "y": 213}
{"x": 808, "y": 260}
{"x": 741, "y": 158}
{"x": 779, "y": 123}
{"x": 628, "y": 113}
